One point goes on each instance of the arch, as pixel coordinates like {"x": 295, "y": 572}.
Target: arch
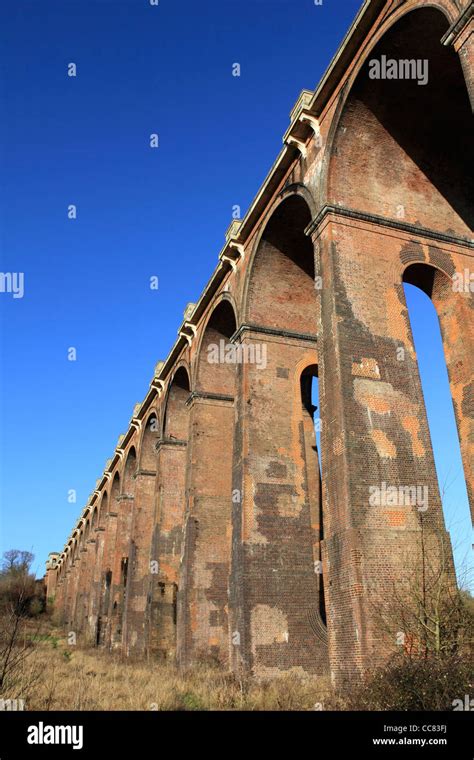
{"x": 276, "y": 487}
{"x": 313, "y": 474}
{"x": 227, "y": 295}
{"x": 295, "y": 188}
{"x": 175, "y": 418}
{"x": 136, "y": 573}
{"x": 213, "y": 372}
{"x": 424, "y": 276}
{"x": 115, "y": 489}
{"x": 103, "y": 509}
{"x": 105, "y": 561}
{"x": 280, "y": 291}
{"x": 202, "y": 617}
{"x": 121, "y": 549}
{"x": 347, "y": 87}
{"x": 171, "y": 500}
{"x": 455, "y": 312}
{"x": 382, "y": 159}
{"x": 149, "y": 438}
{"x": 100, "y": 511}
{"x": 129, "y": 471}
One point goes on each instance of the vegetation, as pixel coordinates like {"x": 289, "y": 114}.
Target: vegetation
{"x": 76, "y": 678}
{"x": 432, "y": 668}
{"x": 21, "y": 601}
{"x": 413, "y": 683}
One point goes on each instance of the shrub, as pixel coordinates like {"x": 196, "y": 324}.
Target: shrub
{"x": 410, "y": 683}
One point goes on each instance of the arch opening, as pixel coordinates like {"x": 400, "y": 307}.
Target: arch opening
{"x": 216, "y": 369}
{"x": 311, "y": 431}
{"x": 168, "y": 530}
{"x": 122, "y": 547}
{"x": 401, "y": 152}
{"x": 148, "y": 446}
{"x": 107, "y": 569}
{"x": 280, "y": 526}
{"x": 281, "y": 289}
{"x": 443, "y": 363}
{"x": 176, "y": 414}
{"x": 103, "y": 510}
{"x": 203, "y": 587}
{"x": 130, "y": 471}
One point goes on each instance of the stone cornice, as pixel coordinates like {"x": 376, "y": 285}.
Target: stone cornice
{"x": 271, "y": 331}
{"x": 164, "y": 442}
{"x": 382, "y": 221}
{"x": 202, "y": 396}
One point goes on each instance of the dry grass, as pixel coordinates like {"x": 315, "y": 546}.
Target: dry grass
{"x": 58, "y": 677}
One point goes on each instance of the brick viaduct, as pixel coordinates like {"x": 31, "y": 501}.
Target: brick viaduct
{"x": 211, "y": 532}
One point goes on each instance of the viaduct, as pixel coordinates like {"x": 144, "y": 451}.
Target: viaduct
{"x": 217, "y": 528}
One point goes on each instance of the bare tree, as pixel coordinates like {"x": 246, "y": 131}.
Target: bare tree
{"x": 428, "y": 614}
{"x": 17, "y": 562}
{"x": 17, "y": 633}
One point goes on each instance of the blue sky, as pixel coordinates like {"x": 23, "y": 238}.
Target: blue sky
{"x": 140, "y": 213}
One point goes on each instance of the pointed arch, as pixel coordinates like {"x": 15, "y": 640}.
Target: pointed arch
{"x": 115, "y": 491}
{"x": 176, "y": 418}
{"x": 215, "y": 365}
{"x": 129, "y": 471}
{"x": 149, "y": 438}
{"x": 455, "y": 312}
{"x": 280, "y": 292}
{"x": 103, "y": 507}
{"x": 392, "y": 152}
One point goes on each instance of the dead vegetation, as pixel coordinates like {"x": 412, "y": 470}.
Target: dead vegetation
{"x": 74, "y": 678}
{"x": 57, "y": 676}
{"x": 40, "y": 669}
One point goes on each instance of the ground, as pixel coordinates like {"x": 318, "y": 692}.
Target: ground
{"x": 57, "y": 676}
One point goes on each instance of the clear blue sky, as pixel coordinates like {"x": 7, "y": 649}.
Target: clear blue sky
{"x": 141, "y": 212}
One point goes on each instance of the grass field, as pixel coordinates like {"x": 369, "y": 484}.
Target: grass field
{"x": 55, "y": 676}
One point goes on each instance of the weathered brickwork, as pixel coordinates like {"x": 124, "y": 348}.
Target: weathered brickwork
{"x": 218, "y": 529}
